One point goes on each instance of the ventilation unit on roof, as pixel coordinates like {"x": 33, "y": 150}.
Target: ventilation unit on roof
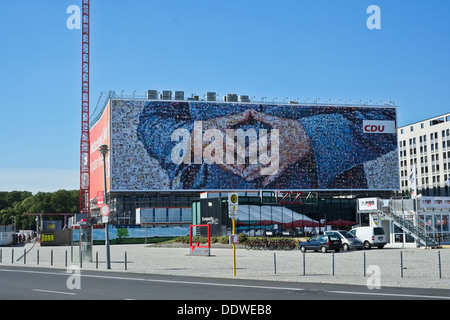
{"x": 179, "y": 95}
{"x": 166, "y": 95}
{"x": 230, "y": 97}
{"x": 244, "y": 99}
{"x": 151, "y": 94}
{"x": 210, "y": 96}
{"x": 193, "y": 98}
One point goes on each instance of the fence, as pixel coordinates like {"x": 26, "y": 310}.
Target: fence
{"x": 50, "y": 257}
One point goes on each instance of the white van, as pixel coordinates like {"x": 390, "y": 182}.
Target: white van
{"x": 370, "y": 236}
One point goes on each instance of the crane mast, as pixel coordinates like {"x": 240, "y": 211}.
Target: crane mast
{"x": 85, "y": 140}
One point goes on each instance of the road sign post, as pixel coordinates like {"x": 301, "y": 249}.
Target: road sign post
{"x": 104, "y": 210}
{"x": 233, "y": 211}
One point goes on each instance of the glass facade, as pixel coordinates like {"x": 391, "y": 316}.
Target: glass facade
{"x": 258, "y": 218}
{"x": 123, "y": 205}
{"x": 436, "y": 225}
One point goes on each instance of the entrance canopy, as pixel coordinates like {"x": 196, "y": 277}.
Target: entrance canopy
{"x": 249, "y": 215}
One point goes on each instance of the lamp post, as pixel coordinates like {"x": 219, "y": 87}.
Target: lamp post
{"x": 104, "y": 151}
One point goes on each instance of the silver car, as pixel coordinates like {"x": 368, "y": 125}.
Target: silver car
{"x": 349, "y": 241}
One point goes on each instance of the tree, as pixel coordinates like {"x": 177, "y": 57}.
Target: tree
{"x": 122, "y": 233}
{"x": 14, "y": 205}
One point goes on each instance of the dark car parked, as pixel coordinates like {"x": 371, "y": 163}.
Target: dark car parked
{"x": 322, "y": 243}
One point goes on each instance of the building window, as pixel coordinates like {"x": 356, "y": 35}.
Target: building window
{"x": 436, "y": 121}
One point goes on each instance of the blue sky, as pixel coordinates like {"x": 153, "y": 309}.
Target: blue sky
{"x": 278, "y": 49}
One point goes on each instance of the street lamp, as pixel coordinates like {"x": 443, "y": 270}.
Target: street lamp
{"x": 104, "y": 151}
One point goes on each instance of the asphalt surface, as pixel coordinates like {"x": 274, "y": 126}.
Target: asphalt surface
{"x": 33, "y": 283}
{"x": 412, "y": 273}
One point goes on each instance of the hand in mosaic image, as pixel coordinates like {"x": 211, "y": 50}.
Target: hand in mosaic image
{"x": 252, "y": 146}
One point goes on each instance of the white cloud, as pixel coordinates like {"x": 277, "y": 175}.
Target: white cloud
{"x": 38, "y": 179}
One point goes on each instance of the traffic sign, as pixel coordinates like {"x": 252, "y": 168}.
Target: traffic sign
{"x": 104, "y": 210}
{"x": 233, "y": 212}
{"x": 233, "y": 205}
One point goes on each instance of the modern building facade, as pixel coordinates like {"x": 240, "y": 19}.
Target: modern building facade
{"x": 425, "y": 145}
{"x": 165, "y": 151}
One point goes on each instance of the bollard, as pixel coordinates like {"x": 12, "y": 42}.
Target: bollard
{"x": 332, "y": 264}
{"x": 439, "y": 264}
{"x": 274, "y": 263}
{"x": 401, "y": 264}
{"x": 51, "y": 257}
{"x": 81, "y": 259}
{"x": 1, "y": 255}
{"x": 24, "y": 256}
{"x": 37, "y": 256}
{"x": 364, "y": 264}
{"x": 12, "y": 255}
{"x": 304, "y": 264}
{"x": 96, "y": 260}
{"x": 125, "y": 260}
{"x": 65, "y": 258}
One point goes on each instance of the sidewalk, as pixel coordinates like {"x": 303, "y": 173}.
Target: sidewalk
{"x": 420, "y": 266}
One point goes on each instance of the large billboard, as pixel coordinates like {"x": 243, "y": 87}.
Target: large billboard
{"x": 198, "y": 145}
{"x": 99, "y": 135}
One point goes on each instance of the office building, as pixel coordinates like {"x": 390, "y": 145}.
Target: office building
{"x": 425, "y": 144}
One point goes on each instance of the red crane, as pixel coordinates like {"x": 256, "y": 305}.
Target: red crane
{"x": 85, "y": 141}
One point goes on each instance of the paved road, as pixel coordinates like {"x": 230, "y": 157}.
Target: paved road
{"x": 17, "y": 282}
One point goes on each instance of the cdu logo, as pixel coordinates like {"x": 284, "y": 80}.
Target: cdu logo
{"x": 378, "y": 126}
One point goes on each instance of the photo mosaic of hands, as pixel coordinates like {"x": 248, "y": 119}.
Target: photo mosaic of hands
{"x": 319, "y": 147}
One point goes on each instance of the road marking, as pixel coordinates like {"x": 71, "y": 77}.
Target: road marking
{"x": 269, "y": 288}
{"x": 199, "y": 283}
{"x": 228, "y": 285}
{"x": 55, "y": 292}
{"x": 164, "y": 281}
